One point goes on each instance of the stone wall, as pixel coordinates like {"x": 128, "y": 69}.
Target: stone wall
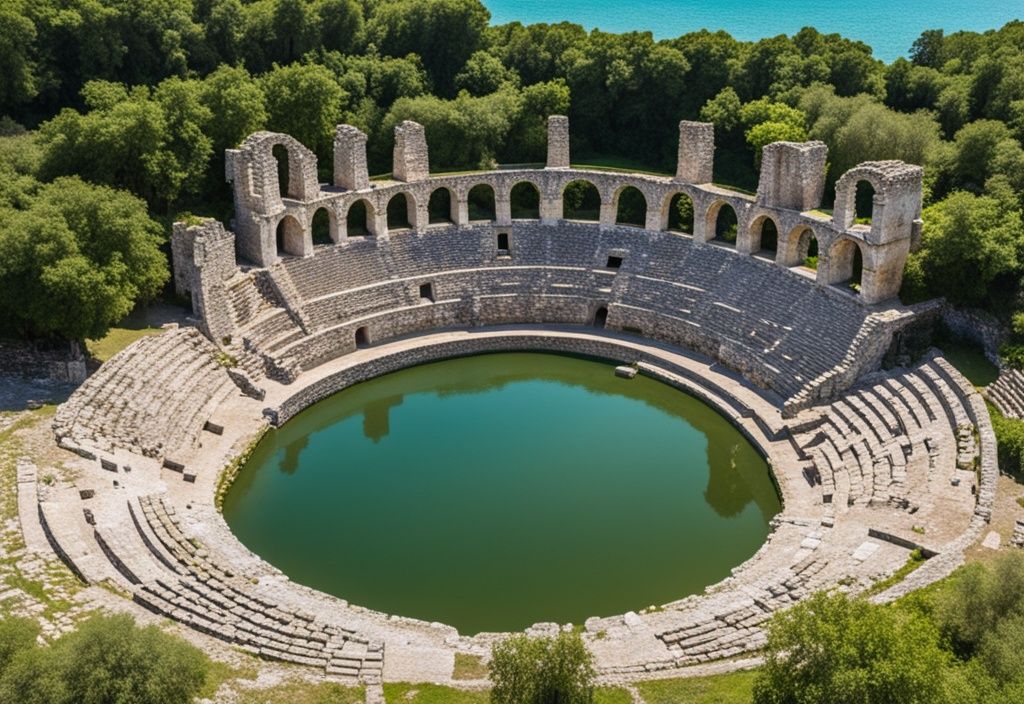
{"x": 204, "y": 261}
{"x": 696, "y": 152}
{"x": 411, "y": 159}
{"x": 978, "y": 327}
{"x": 63, "y": 363}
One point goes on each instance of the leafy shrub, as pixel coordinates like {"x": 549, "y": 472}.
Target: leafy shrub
{"x": 108, "y": 660}
{"x": 527, "y": 670}
{"x": 1010, "y": 441}
{"x": 833, "y": 649}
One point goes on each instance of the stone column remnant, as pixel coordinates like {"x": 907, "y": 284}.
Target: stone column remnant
{"x": 696, "y": 152}
{"x": 411, "y": 160}
{"x": 558, "y": 142}
{"x": 350, "y": 171}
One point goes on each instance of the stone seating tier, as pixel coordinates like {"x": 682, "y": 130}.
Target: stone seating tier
{"x": 151, "y": 398}
{"x": 197, "y": 590}
{"x": 785, "y": 335}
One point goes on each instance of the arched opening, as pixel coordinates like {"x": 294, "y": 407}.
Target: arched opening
{"x": 845, "y": 263}
{"x": 680, "y": 214}
{"x": 357, "y": 220}
{"x": 632, "y": 207}
{"x": 481, "y": 202}
{"x": 581, "y": 201}
{"x": 362, "y": 337}
{"x": 722, "y": 218}
{"x": 439, "y": 207}
{"x": 321, "y": 227}
{"x": 864, "y": 203}
{"x": 768, "y": 237}
{"x": 280, "y": 154}
{"x": 524, "y": 200}
{"x": 289, "y": 237}
{"x": 398, "y": 212}
{"x": 601, "y": 317}
{"x": 807, "y": 250}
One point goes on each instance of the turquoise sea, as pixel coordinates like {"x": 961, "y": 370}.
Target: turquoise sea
{"x": 889, "y": 26}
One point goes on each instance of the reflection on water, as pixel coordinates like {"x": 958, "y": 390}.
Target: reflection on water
{"x": 496, "y": 491}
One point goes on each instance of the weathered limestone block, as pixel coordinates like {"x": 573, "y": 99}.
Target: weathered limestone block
{"x": 204, "y": 259}
{"x": 558, "y": 142}
{"x": 696, "y": 152}
{"x": 411, "y": 159}
{"x": 350, "y": 169}
{"x": 792, "y": 175}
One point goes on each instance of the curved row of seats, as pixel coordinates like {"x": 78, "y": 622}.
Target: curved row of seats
{"x": 184, "y": 581}
{"x": 752, "y": 314}
{"x": 889, "y": 441}
{"x": 1007, "y": 393}
{"x": 153, "y": 397}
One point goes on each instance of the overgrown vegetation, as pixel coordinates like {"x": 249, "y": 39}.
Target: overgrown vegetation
{"x": 107, "y": 659}
{"x": 958, "y": 641}
{"x": 528, "y": 670}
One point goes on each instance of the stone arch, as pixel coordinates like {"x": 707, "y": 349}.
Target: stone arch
{"x": 600, "y": 319}
{"x": 722, "y": 223}
{"x": 764, "y": 236}
{"x": 677, "y": 212}
{"x": 630, "y": 206}
{"x": 863, "y": 202}
{"x": 890, "y": 181}
{"x": 290, "y": 237}
{"x": 401, "y": 211}
{"x": 581, "y": 201}
{"x": 442, "y": 206}
{"x": 259, "y": 153}
{"x": 524, "y": 201}
{"x": 845, "y": 264}
{"x": 323, "y": 226}
{"x": 481, "y": 203}
{"x": 800, "y": 248}
{"x": 360, "y": 219}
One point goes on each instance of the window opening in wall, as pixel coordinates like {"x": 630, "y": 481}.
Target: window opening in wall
{"x": 503, "y": 243}
{"x": 614, "y": 262}
{"x": 362, "y": 338}
{"x": 427, "y": 292}
{"x": 601, "y": 317}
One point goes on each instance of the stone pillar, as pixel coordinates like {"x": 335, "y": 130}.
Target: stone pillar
{"x": 607, "y": 213}
{"x": 462, "y": 210}
{"x": 653, "y": 220}
{"x": 502, "y": 210}
{"x": 550, "y": 209}
{"x": 558, "y": 142}
{"x": 350, "y": 170}
{"x": 696, "y": 152}
{"x": 204, "y": 259}
{"x": 792, "y": 175}
{"x": 419, "y": 215}
{"x": 411, "y": 160}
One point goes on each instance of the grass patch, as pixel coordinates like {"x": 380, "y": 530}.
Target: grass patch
{"x": 612, "y": 695}
{"x": 970, "y": 361}
{"x": 221, "y": 672}
{"x": 469, "y": 667}
{"x": 305, "y": 692}
{"x": 729, "y": 688}
{"x": 116, "y": 340}
{"x": 915, "y": 560}
{"x": 405, "y": 693}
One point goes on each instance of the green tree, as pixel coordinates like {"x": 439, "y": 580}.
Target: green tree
{"x": 833, "y": 649}
{"x": 484, "y": 73}
{"x": 110, "y": 660}
{"x": 18, "y": 82}
{"x": 444, "y": 33}
{"x": 90, "y": 247}
{"x": 236, "y": 104}
{"x": 768, "y": 122}
{"x": 527, "y": 670}
{"x": 305, "y": 101}
{"x": 969, "y": 243}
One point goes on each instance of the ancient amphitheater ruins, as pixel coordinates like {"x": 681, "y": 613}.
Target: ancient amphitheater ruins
{"x": 875, "y": 453}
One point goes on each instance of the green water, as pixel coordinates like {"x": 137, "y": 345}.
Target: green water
{"x": 497, "y": 491}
